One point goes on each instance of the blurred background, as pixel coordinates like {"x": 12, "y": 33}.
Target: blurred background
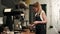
{"x": 51, "y": 8}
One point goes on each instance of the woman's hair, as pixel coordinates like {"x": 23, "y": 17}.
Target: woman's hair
{"x": 38, "y": 5}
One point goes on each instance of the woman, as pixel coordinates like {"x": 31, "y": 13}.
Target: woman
{"x": 40, "y": 19}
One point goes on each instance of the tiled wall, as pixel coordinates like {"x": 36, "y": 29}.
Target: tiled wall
{"x": 56, "y": 14}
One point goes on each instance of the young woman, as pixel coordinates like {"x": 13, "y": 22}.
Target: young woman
{"x": 40, "y": 19}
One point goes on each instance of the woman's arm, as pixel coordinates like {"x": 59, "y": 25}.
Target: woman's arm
{"x": 44, "y": 18}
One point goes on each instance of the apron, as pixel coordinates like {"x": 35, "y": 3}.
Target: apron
{"x": 40, "y": 28}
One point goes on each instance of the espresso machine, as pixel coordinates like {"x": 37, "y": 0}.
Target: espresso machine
{"x": 10, "y": 13}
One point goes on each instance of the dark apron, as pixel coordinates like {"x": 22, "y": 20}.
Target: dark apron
{"x": 40, "y": 28}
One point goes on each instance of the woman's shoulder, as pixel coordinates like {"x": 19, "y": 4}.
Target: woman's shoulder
{"x": 42, "y": 11}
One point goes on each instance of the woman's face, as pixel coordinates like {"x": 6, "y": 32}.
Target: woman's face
{"x": 35, "y": 9}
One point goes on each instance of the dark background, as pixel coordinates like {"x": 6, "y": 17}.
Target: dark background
{"x": 7, "y": 4}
